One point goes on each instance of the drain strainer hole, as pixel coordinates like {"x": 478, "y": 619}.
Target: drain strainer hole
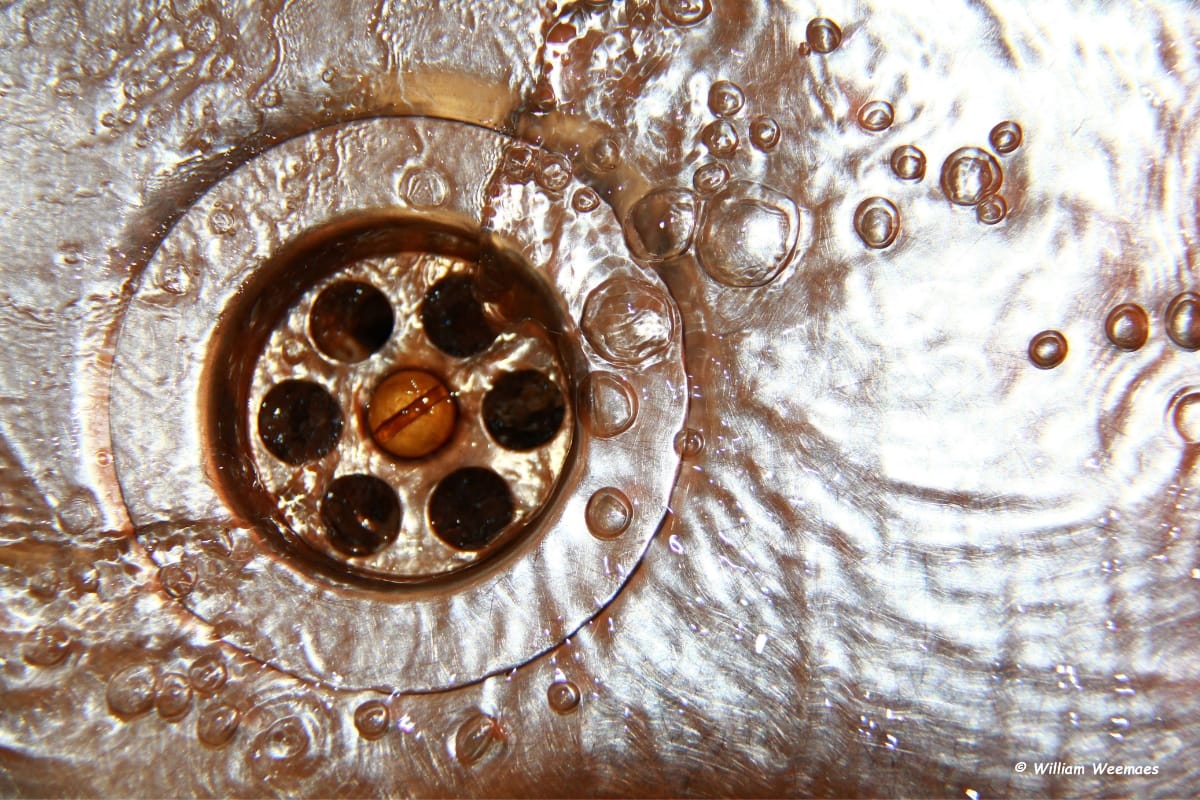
{"x": 350, "y": 321}
{"x": 299, "y": 421}
{"x": 523, "y": 410}
{"x": 470, "y": 508}
{"x": 361, "y": 514}
{"x": 453, "y": 317}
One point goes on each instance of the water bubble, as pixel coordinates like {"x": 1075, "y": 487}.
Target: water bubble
{"x": 475, "y": 738}
{"x": 607, "y": 403}
{"x": 991, "y": 210}
{"x": 628, "y": 321}
{"x": 286, "y": 740}
{"x": 221, "y": 221}
{"x": 1006, "y": 137}
{"x": 876, "y": 115}
{"x": 1186, "y": 417}
{"x": 131, "y": 691}
{"x": 969, "y": 175}
{"x": 425, "y": 188}
{"x": 725, "y": 98}
{"x": 908, "y": 163}
{"x": 1127, "y": 326}
{"x": 372, "y": 719}
{"x": 608, "y": 513}
{"x": 174, "y": 696}
{"x": 823, "y": 35}
{"x": 1183, "y": 320}
{"x": 177, "y": 579}
{"x": 47, "y": 647}
{"x": 585, "y": 200}
{"x": 1047, "y": 349}
{"x": 710, "y": 178}
{"x": 563, "y": 697}
{"x": 517, "y": 162}
{"x": 764, "y": 133}
{"x": 748, "y": 234}
{"x": 208, "y": 673}
{"x": 661, "y": 225}
{"x": 201, "y": 32}
{"x": 606, "y": 154}
{"x": 721, "y": 138}
{"x": 175, "y": 279}
{"x": 79, "y": 512}
{"x": 877, "y": 222}
{"x": 685, "y": 12}
{"x": 689, "y": 442}
{"x": 554, "y": 172}
{"x": 217, "y": 724}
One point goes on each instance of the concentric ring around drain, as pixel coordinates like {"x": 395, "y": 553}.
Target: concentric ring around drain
{"x": 224, "y": 276}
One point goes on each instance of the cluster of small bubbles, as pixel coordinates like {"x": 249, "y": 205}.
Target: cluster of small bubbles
{"x": 876, "y": 116}
{"x": 608, "y": 513}
{"x": 517, "y": 162}
{"x": 1127, "y": 326}
{"x": 764, "y": 133}
{"x": 1183, "y": 320}
{"x": 689, "y": 442}
{"x": 425, "y": 188}
{"x": 475, "y": 738}
{"x": 554, "y": 172}
{"x": 208, "y": 673}
{"x": 685, "y": 12}
{"x": 908, "y": 163}
{"x": 221, "y": 221}
{"x": 563, "y": 696}
{"x": 660, "y": 226}
{"x": 606, "y": 154}
{"x": 294, "y": 350}
{"x": 217, "y": 724}
{"x": 991, "y": 210}
{"x": 1047, "y": 349}
{"x": 1006, "y": 137}
{"x": 607, "y": 403}
{"x": 131, "y": 692}
{"x": 823, "y": 35}
{"x": 585, "y": 200}
{"x": 47, "y": 647}
{"x": 372, "y": 719}
{"x": 748, "y": 235}
{"x": 177, "y": 579}
{"x": 628, "y": 321}
{"x": 201, "y": 32}
{"x": 174, "y": 696}
{"x": 969, "y": 175}
{"x": 710, "y": 178}
{"x": 725, "y": 98}
{"x": 877, "y": 222}
{"x": 721, "y": 138}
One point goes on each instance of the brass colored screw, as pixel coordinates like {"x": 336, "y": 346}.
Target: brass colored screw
{"x": 411, "y": 414}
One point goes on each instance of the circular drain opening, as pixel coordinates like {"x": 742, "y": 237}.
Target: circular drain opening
{"x": 350, "y": 321}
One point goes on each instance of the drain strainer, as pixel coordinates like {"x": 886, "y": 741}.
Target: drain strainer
{"x": 382, "y": 386}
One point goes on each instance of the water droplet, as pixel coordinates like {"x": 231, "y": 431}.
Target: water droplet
{"x": 877, "y": 222}
{"x": 748, "y": 234}
{"x": 217, "y": 724}
{"x": 221, "y": 221}
{"x": 1186, "y": 417}
{"x": 175, "y": 279}
{"x": 1183, "y": 320}
{"x": 1127, "y": 326}
{"x": 765, "y": 133}
{"x": 710, "y": 178}
{"x": 287, "y": 739}
{"x": 79, "y": 512}
{"x": 47, "y": 647}
{"x": 425, "y": 188}
{"x": 875, "y": 116}
{"x": 908, "y": 162}
{"x": 554, "y": 172}
{"x": 608, "y": 513}
{"x": 629, "y": 322}
{"x": 517, "y": 162}
{"x": 585, "y": 200}
{"x": 174, "y": 696}
{"x": 823, "y": 35}
{"x": 661, "y": 225}
{"x": 607, "y": 403}
{"x": 131, "y": 691}
{"x": 725, "y": 98}
{"x": 606, "y": 154}
{"x": 475, "y": 738}
{"x": 721, "y": 138}
{"x": 1047, "y": 349}
{"x": 969, "y": 175}
{"x": 372, "y": 719}
{"x": 1006, "y": 137}
{"x": 685, "y": 12}
{"x": 563, "y": 697}
{"x": 689, "y": 442}
{"x": 177, "y": 579}
{"x": 208, "y": 673}
{"x": 991, "y": 210}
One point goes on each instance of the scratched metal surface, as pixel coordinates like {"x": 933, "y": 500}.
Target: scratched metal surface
{"x": 901, "y": 557}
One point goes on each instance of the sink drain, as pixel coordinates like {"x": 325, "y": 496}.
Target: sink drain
{"x": 376, "y": 391}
